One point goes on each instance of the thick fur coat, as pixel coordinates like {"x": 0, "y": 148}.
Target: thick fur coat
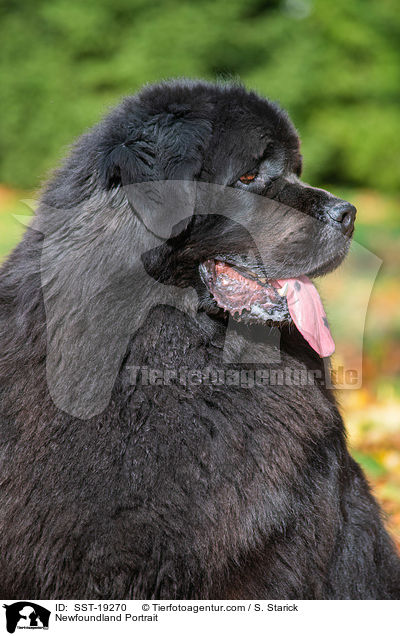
{"x": 166, "y": 489}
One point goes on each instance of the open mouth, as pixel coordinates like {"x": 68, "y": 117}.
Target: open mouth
{"x": 250, "y": 298}
{"x": 245, "y": 295}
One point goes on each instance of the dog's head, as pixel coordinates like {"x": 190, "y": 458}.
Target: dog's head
{"x": 257, "y": 231}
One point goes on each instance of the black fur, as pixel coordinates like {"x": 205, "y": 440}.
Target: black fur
{"x": 177, "y": 491}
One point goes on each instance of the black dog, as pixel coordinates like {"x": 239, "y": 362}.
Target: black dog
{"x": 123, "y": 477}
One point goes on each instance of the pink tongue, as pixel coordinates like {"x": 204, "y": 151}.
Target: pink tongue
{"x": 308, "y": 314}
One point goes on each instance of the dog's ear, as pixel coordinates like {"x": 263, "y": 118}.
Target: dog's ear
{"x": 157, "y": 147}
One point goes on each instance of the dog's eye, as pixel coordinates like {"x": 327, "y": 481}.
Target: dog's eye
{"x": 248, "y": 177}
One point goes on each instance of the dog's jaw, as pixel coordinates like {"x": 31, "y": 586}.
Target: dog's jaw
{"x": 251, "y": 299}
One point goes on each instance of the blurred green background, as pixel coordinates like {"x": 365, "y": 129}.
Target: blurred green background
{"x": 335, "y": 66}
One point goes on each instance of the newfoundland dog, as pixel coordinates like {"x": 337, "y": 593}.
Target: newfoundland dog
{"x": 168, "y": 430}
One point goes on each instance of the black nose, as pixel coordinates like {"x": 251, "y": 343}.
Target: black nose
{"x": 345, "y": 214}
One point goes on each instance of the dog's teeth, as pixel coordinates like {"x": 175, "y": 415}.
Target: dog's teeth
{"x": 263, "y": 280}
{"x": 283, "y": 290}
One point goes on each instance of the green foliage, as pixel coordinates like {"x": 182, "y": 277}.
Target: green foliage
{"x": 333, "y": 65}
{"x": 369, "y": 464}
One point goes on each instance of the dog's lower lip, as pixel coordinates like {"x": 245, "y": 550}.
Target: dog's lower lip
{"x": 243, "y": 293}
